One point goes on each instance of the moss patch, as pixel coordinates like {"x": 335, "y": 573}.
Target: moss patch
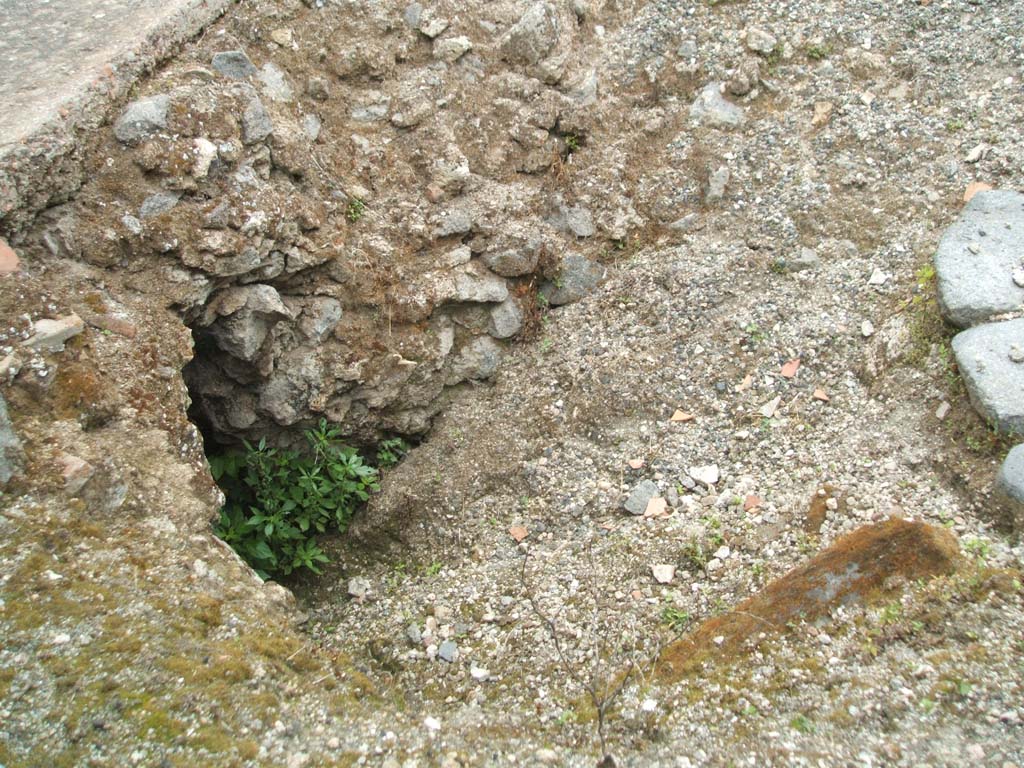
{"x": 854, "y": 569}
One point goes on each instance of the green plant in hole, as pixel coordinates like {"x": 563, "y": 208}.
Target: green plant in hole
{"x": 755, "y": 333}
{"x": 433, "y": 569}
{"x": 694, "y": 554}
{"x": 891, "y": 613}
{"x": 279, "y": 500}
{"x": 676, "y": 618}
{"x": 391, "y": 451}
{"x": 802, "y": 723}
{"x": 818, "y": 52}
{"x": 954, "y": 124}
{"x": 400, "y": 574}
{"x": 572, "y": 142}
{"x": 979, "y": 548}
{"x": 356, "y": 210}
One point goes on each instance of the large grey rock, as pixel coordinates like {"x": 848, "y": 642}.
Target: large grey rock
{"x": 712, "y": 108}
{"x": 512, "y": 259}
{"x": 978, "y": 256}
{"x": 155, "y": 204}
{"x": 449, "y": 651}
{"x": 579, "y": 276}
{"x": 10, "y": 446}
{"x": 1010, "y": 487}
{"x": 800, "y": 260}
{"x": 534, "y": 36}
{"x": 256, "y": 122}
{"x": 451, "y": 49}
{"x": 575, "y": 220}
{"x": 431, "y": 24}
{"x": 275, "y": 83}
{"x": 760, "y": 41}
{"x": 245, "y": 316}
{"x": 412, "y": 13}
{"x": 641, "y": 495}
{"x": 320, "y": 317}
{"x": 469, "y": 283}
{"x": 142, "y": 118}
{"x": 285, "y": 396}
{"x": 506, "y": 319}
{"x": 233, "y": 64}
{"x": 995, "y": 382}
{"x": 454, "y": 222}
{"x": 477, "y": 360}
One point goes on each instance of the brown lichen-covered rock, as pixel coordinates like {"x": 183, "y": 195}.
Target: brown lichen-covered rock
{"x": 853, "y": 569}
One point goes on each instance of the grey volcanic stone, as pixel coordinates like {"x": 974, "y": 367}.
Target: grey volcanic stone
{"x": 579, "y": 276}
{"x": 534, "y": 36}
{"x": 977, "y": 257}
{"x": 470, "y": 283}
{"x": 448, "y": 651}
{"x": 519, "y": 259}
{"x": 1010, "y": 487}
{"x": 320, "y": 316}
{"x": 158, "y": 203}
{"x": 577, "y": 221}
{"x": 233, "y": 64}
{"x": 275, "y": 83}
{"x": 10, "y": 446}
{"x": 644, "y": 491}
{"x": 246, "y": 315}
{"x": 477, "y": 360}
{"x": 994, "y": 381}
{"x": 455, "y": 222}
{"x": 141, "y": 118}
{"x": 712, "y": 108}
{"x": 506, "y": 319}
{"x": 805, "y": 258}
{"x": 256, "y": 122}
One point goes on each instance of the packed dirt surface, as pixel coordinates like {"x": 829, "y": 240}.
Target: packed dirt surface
{"x": 650, "y": 287}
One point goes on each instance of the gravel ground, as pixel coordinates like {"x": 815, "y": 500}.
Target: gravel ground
{"x": 765, "y": 348}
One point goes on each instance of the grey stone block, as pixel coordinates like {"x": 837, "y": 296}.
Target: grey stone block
{"x": 986, "y": 357}
{"x": 578, "y": 277}
{"x": 1010, "y": 487}
{"x": 978, "y": 257}
{"x": 10, "y": 446}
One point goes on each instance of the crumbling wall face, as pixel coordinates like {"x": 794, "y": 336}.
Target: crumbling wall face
{"x": 353, "y": 211}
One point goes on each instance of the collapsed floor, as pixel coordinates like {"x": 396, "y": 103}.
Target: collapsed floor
{"x": 375, "y": 208}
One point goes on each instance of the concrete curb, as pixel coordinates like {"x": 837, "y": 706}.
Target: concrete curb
{"x": 42, "y": 158}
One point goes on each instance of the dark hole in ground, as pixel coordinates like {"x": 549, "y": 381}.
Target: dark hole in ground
{"x": 286, "y": 489}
